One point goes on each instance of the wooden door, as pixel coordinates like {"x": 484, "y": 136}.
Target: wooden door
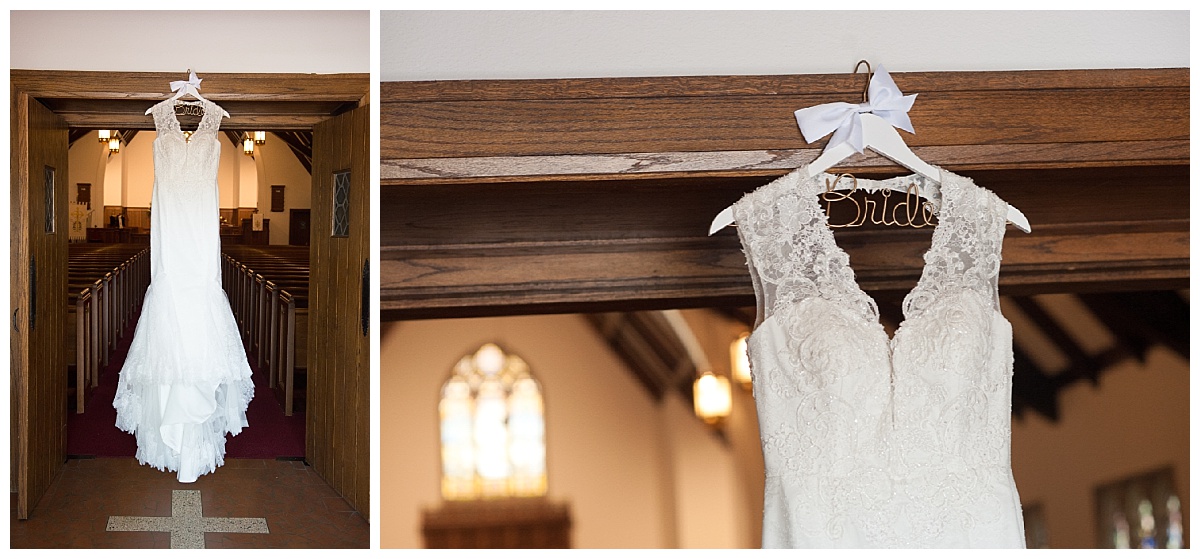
{"x": 38, "y": 295}
{"x": 338, "y": 399}
{"x": 299, "y": 222}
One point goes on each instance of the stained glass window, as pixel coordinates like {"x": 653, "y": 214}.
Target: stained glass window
{"x": 1174, "y": 523}
{"x": 492, "y": 428}
{"x": 341, "y": 204}
{"x": 1141, "y": 511}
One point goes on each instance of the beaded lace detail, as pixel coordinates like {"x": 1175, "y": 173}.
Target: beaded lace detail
{"x": 870, "y": 441}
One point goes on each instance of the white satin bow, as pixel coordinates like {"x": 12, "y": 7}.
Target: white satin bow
{"x": 184, "y": 87}
{"x": 884, "y": 100}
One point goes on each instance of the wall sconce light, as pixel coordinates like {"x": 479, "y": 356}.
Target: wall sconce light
{"x": 260, "y": 137}
{"x": 248, "y": 145}
{"x": 105, "y": 135}
{"x": 114, "y": 145}
{"x": 711, "y": 398}
{"x": 740, "y": 361}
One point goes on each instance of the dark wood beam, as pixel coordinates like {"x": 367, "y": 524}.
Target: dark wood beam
{"x": 1130, "y": 334}
{"x": 300, "y": 142}
{"x": 580, "y": 246}
{"x": 722, "y": 124}
{"x": 649, "y": 348}
{"x": 745, "y": 315}
{"x": 1079, "y": 363}
{"x": 1031, "y": 388}
{"x": 94, "y": 100}
{"x": 74, "y": 134}
{"x": 1141, "y": 319}
{"x": 578, "y": 195}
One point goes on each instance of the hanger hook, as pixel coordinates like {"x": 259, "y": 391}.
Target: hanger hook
{"x": 866, "y": 86}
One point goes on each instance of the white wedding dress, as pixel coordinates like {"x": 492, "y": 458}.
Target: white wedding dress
{"x": 186, "y": 381}
{"x": 870, "y": 441}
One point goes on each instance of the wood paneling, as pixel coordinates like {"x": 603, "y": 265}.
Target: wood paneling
{"x": 254, "y": 101}
{"x": 653, "y": 125}
{"x": 957, "y": 111}
{"x": 637, "y": 244}
{"x": 519, "y": 196}
{"x": 526, "y": 523}
{"x": 38, "y": 281}
{"x": 339, "y": 405}
{"x": 841, "y": 85}
{"x": 137, "y": 218}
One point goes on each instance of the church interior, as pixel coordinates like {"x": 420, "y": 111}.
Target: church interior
{"x": 293, "y": 146}
{"x": 557, "y": 231}
{"x": 554, "y": 353}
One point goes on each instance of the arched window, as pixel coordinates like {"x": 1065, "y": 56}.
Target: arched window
{"x": 1141, "y": 511}
{"x": 492, "y": 428}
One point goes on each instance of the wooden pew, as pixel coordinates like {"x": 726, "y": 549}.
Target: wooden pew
{"x": 268, "y": 290}
{"x": 105, "y": 287}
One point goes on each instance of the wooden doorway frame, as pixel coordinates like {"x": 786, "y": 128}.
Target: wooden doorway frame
{"x": 97, "y": 100}
{"x": 596, "y": 194}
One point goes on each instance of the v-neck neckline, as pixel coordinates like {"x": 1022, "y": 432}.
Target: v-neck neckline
{"x": 826, "y": 235}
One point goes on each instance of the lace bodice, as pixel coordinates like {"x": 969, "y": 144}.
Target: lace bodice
{"x": 179, "y": 159}
{"x": 185, "y": 203}
{"x": 871, "y": 441}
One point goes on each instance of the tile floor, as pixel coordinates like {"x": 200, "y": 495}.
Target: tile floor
{"x": 300, "y": 509}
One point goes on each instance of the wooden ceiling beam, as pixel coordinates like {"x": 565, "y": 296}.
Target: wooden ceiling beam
{"x": 967, "y": 120}
{"x": 97, "y": 100}
{"x": 1079, "y": 363}
{"x": 745, "y": 315}
{"x": 300, "y": 142}
{"x": 1141, "y": 319}
{"x": 609, "y": 326}
{"x": 579, "y": 195}
{"x": 1032, "y": 388}
{"x": 217, "y": 87}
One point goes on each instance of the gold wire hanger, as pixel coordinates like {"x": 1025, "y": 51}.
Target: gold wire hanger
{"x": 189, "y": 87}
{"x": 912, "y": 211}
{"x": 882, "y": 138}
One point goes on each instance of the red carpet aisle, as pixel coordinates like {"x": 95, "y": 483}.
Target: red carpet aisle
{"x": 270, "y": 434}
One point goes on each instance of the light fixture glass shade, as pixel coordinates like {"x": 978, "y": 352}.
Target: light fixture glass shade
{"x": 114, "y": 145}
{"x": 104, "y": 135}
{"x": 248, "y": 146}
{"x": 711, "y": 397}
{"x": 739, "y": 360}
{"x": 260, "y": 136}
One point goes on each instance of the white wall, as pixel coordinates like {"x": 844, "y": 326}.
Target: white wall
{"x": 114, "y": 180}
{"x": 454, "y": 45}
{"x": 248, "y": 181}
{"x": 204, "y": 41}
{"x": 129, "y": 175}
{"x": 86, "y": 162}
{"x": 229, "y": 172}
{"x": 138, "y": 162}
{"x": 278, "y": 165}
{"x": 1135, "y": 421}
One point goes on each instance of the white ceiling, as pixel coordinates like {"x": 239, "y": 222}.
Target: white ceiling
{"x": 288, "y": 41}
{"x": 445, "y": 45}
